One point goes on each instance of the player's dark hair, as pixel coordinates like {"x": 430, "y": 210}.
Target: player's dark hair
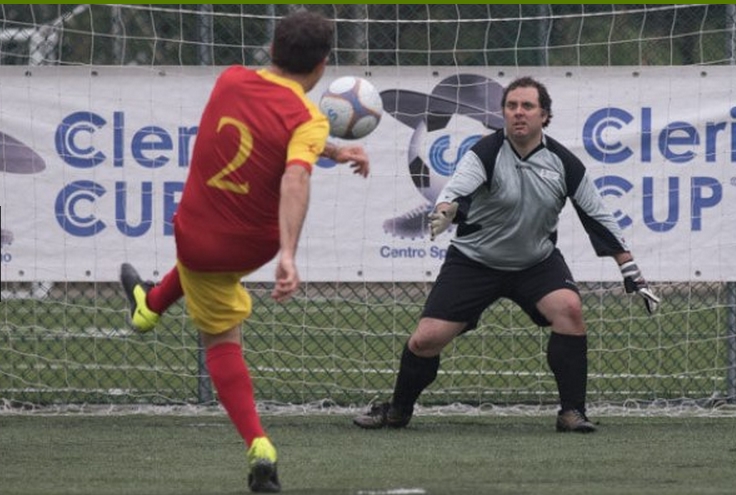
{"x": 301, "y": 41}
{"x": 545, "y": 102}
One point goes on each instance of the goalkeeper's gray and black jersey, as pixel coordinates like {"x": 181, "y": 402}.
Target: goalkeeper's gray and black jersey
{"x": 510, "y": 207}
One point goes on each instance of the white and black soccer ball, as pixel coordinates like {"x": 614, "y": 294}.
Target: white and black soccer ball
{"x": 433, "y": 155}
{"x": 353, "y": 107}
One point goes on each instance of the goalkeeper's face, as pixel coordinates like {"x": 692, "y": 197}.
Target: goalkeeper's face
{"x": 523, "y": 115}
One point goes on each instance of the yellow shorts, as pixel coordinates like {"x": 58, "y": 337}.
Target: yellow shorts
{"x": 216, "y": 301}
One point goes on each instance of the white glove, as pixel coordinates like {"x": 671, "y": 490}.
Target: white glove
{"x": 634, "y": 282}
{"x": 439, "y": 221}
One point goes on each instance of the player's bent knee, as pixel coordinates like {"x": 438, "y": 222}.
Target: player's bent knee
{"x": 432, "y": 335}
{"x": 424, "y": 347}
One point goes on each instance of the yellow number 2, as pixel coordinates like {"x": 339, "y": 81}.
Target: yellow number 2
{"x": 244, "y": 149}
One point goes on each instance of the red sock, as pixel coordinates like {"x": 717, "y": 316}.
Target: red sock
{"x": 230, "y": 376}
{"x": 166, "y": 293}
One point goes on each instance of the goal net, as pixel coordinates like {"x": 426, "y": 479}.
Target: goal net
{"x": 99, "y": 106}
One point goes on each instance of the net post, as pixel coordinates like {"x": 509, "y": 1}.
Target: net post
{"x": 731, "y": 42}
{"x": 731, "y": 342}
{"x": 204, "y": 384}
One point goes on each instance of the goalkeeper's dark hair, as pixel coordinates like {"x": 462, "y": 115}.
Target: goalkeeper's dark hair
{"x": 301, "y": 41}
{"x": 545, "y": 101}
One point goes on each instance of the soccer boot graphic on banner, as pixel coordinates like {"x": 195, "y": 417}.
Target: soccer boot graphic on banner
{"x": 17, "y": 158}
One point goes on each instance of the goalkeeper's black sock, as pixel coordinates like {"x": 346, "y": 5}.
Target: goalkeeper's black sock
{"x": 567, "y": 356}
{"x": 415, "y": 374}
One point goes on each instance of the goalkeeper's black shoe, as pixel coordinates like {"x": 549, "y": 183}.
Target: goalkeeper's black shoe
{"x": 141, "y": 317}
{"x": 381, "y": 415}
{"x": 574, "y": 420}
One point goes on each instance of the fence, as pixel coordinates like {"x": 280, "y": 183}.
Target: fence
{"x": 65, "y": 341}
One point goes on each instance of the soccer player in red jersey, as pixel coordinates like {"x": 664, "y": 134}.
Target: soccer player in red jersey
{"x": 244, "y": 202}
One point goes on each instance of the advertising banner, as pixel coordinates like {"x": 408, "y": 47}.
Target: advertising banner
{"x": 93, "y": 162}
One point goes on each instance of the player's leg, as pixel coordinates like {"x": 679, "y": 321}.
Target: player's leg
{"x": 420, "y": 361}
{"x": 231, "y": 378}
{"x": 567, "y": 356}
{"x": 218, "y": 303}
{"x": 548, "y": 294}
{"x": 148, "y": 301}
{"x": 462, "y": 291}
{"x": 164, "y": 294}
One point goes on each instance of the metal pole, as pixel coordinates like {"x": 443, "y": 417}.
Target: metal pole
{"x": 731, "y": 23}
{"x": 205, "y": 34}
{"x": 204, "y": 384}
{"x": 357, "y": 35}
{"x": 543, "y": 14}
{"x": 731, "y": 341}
{"x": 118, "y": 36}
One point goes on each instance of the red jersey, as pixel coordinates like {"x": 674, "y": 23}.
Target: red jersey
{"x": 254, "y": 125}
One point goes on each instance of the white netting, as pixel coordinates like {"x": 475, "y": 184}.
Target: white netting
{"x": 98, "y": 112}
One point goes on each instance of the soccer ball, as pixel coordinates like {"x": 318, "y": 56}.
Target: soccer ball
{"x": 353, "y": 107}
{"x": 433, "y": 155}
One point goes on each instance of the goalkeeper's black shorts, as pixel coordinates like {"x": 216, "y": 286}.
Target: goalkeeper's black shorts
{"x": 465, "y": 288}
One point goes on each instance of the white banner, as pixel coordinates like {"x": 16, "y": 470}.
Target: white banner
{"x": 93, "y": 161}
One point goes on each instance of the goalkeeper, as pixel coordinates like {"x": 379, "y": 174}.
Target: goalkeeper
{"x": 506, "y": 197}
{"x": 244, "y": 202}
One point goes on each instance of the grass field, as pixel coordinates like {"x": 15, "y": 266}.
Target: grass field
{"x": 157, "y": 455}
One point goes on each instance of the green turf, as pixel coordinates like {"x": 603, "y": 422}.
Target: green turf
{"x": 156, "y": 455}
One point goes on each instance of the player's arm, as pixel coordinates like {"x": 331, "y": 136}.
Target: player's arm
{"x": 305, "y": 144}
{"x": 469, "y": 175}
{"x": 292, "y": 212}
{"x": 353, "y": 154}
{"x": 607, "y": 240}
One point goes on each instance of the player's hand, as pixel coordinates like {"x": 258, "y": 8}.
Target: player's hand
{"x": 287, "y": 279}
{"x": 441, "y": 218}
{"x": 634, "y": 282}
{"x": 356, "y": 156}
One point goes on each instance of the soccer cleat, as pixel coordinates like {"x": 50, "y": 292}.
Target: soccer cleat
{"x": 262, "y": 473}
{"x": 574, "y": 420}
{"x": 412, "y": 224}
{"x": 381, "y": 415}
{"x": 141, "y": 317}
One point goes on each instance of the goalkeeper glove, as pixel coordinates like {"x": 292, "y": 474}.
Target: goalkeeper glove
{"x": 440, "y": 220}
{"x": 634, "y": 282}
